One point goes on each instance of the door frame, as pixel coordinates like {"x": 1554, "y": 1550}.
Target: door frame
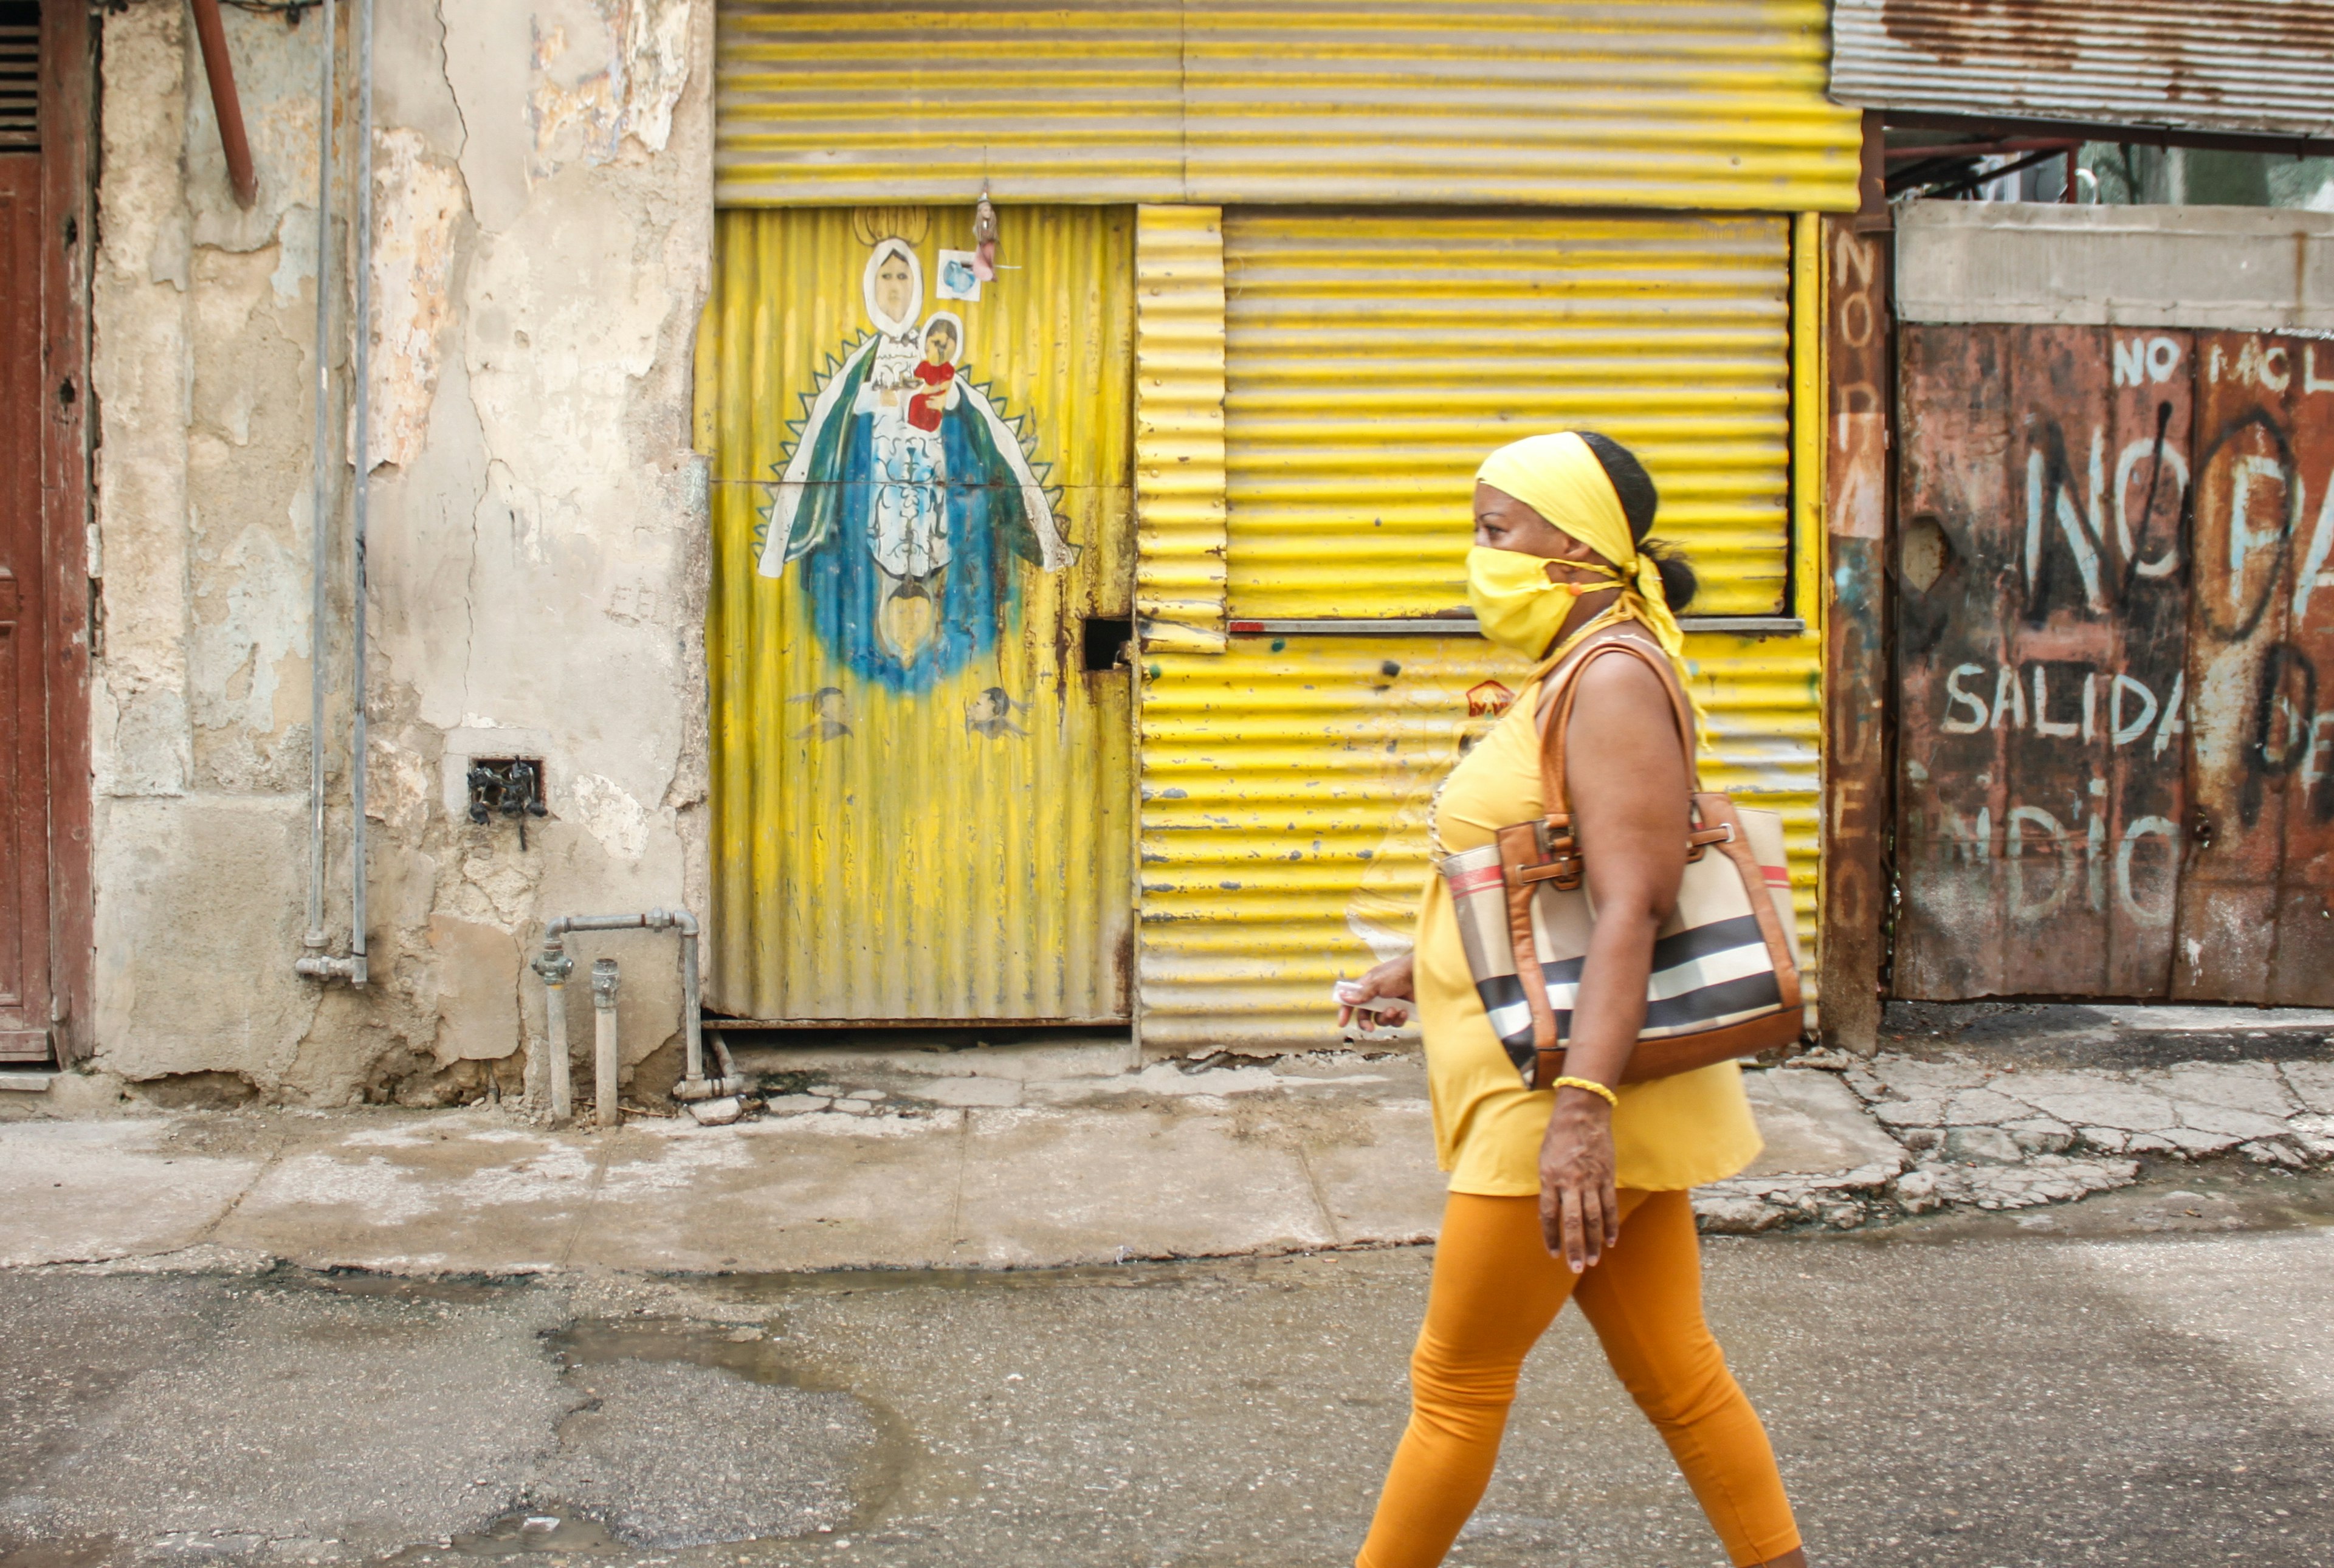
{"x": 68, "y": 109}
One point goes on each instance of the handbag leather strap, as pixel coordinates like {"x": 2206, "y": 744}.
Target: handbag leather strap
{"x": 1547, "y": 851}
{"x": 1554, "y": 803}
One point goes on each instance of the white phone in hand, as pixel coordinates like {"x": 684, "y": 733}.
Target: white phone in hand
{"x": 1351, "y": 994}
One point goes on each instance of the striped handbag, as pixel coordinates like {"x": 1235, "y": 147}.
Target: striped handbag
{"x": 1725, "y": 981}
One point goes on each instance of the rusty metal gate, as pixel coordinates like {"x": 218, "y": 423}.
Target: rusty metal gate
{"x": 2116, "y": 664}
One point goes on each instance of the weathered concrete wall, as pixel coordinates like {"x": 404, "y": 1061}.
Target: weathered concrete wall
{"x": 2236, "y": 268}
{"x": 543, "y": 191}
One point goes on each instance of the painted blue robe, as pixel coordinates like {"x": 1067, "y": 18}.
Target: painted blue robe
{"x": 978, "y": 593}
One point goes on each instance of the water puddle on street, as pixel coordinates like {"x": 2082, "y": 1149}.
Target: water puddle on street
{"x": 555, "y": 1531}
{"x": 532, "y": 1534}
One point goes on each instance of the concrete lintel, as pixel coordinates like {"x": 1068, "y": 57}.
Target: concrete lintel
{"x": 2231, "y": 268}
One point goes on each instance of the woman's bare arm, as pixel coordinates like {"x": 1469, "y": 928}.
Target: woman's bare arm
{"x": 1625, "y": 770}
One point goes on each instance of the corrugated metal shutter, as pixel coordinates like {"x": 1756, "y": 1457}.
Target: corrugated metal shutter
{"x": 1372, "y": 360}
{"x": 2168, "y": 62}
{"x": 956, "y": 847}
{"x": 1179, "y": 427}
{"x": 1677, "y": 103}
{"x": 19, "y": 74}
{"x": 1270, "y": 774}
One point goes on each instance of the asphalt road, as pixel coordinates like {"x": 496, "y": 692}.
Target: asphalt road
{"x": 2146, "y": 1379}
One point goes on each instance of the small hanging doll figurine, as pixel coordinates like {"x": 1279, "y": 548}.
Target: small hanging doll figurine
{"x": 984, "y": 240}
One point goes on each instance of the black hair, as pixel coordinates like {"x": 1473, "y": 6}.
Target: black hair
{"x": 1639, "y": 501}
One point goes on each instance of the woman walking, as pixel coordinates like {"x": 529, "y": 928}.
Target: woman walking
{"x": 1579, "y": 1193}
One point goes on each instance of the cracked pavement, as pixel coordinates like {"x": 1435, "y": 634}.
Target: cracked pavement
{"x": 905, "y": 1318}
{"x": 1972, "y": 1394}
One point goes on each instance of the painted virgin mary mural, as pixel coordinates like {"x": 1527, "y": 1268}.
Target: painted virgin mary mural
{"x": 909, "y": 502}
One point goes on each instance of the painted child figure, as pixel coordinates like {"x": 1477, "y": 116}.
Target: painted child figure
{"x": 943, "y": 339}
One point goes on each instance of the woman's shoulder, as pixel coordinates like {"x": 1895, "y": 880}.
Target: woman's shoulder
{"x": 1603, "y": 677}
{"x": 1627, "y": 676}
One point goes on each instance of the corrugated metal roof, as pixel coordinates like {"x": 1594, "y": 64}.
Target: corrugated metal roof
{"x": 2262, "y": 67}
{"x": 1676, "y": 103}
{"x": 1271, "y": 773}
{"x": 1179, "y": 426}
{"x": 1374, "y": 358}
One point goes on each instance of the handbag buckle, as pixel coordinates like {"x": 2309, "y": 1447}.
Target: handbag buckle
{"x": 1555, "y": 857}
{"x": 1700, "y": 839}
{"x": 1564, "y": 863}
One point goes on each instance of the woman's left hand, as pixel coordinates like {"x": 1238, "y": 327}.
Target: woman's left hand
{"x": 1579, "y": 1207}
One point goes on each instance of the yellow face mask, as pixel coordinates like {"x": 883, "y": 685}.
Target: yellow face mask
{"x": 1516, "y": 605}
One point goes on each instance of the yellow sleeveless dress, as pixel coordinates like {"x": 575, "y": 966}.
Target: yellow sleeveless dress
{"x": 1668, "y": 1133}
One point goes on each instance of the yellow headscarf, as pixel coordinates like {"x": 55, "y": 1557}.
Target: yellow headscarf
{"x": 1558, "y": 476}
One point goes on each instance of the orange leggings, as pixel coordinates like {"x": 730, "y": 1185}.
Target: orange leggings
{"x": 1495, "y": 1291}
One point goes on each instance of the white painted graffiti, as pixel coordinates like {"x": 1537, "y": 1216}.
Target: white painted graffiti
{"x": 2032, "y": 834}
{"x": 2109, "y": 704}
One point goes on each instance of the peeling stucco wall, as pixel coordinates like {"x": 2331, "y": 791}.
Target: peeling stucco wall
{"x": 543, "y": 190}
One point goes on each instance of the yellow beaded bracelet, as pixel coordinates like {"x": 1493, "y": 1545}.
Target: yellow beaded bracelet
{"x": 1597, "y": 1088}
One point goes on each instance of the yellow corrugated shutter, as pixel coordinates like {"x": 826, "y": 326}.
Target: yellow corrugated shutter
{"x": 947, "y": 834}
{"x": 1640, "y": 103}
{"x": 1179, "y": 427}
{"x": 1271, "y": 773}
{"x": 1372, "y": 360}
{"x": 1368, "y": 360}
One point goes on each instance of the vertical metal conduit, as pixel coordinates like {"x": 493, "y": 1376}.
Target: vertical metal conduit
{"x": 605, "y": 1106}
{"x": 318, "y": 964}
{"x": 549, "y": 1074}
{"x": 361, "y": 375}
{"x": 321, "y": 486}
{"x": 242, "y": 178}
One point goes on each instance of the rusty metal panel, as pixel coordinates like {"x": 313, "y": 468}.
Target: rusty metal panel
{"x": 2206, "y": 66}
{"x": 2255, "y": 922}
{"x": 1858, "y": 395}
{"x": 2296, "y": 726}
{"x": 1179, "y": 427}
{"x": 1373, "y": 358}
{"x": 1710, "y": 104}
{"x": 1272, "y": 772}
{"x": 2040, "y": 625}
{"x": 922, "y": 773}
{"x": 68, "y": 215}
{"x": 24, "y": 929}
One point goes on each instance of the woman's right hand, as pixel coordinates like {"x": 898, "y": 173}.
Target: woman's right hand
{"x": 1390, "y": 980}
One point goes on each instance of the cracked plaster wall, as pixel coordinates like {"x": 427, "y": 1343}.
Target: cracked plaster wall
{"x": 543, "y": 188}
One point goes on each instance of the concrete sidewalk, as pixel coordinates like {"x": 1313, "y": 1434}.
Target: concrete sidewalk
{"x": 1037, "y": 1156}
{"x": 1004, "y": 1158}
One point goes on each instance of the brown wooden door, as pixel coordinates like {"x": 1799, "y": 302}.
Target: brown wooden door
{"x": 24, "y": 695}
{"x": 2115, "y": 664}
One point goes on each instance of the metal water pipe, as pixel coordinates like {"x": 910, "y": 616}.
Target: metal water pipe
{"x": 318, "y": 964}
{"x": 604, "y": 1106}
{"x": 320, "y": 521}
{"x": 226, "y": 103}
{"x": 555, "y": 964}
{"x": 549, "y": 1072}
